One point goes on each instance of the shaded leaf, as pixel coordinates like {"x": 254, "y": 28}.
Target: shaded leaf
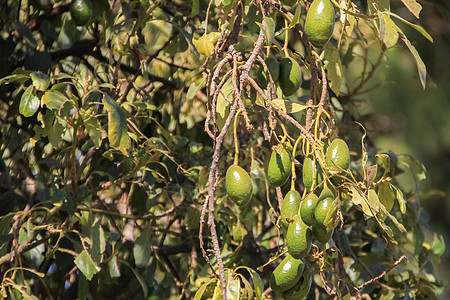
{"x": 86, "y": 265}
{"x": 117, "y": 125}
{"x": 29, "y": 103}
{"x": 98, "y": 241}
{"x": 142, "y": 249}
{"x": 296, "y": 17}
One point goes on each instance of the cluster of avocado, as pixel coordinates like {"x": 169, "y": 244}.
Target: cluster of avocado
{"x": 304, "y": 218}
{"x": 287, "y": 73}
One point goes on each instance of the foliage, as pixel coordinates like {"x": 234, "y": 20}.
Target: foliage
{"x": 116, "y": 137}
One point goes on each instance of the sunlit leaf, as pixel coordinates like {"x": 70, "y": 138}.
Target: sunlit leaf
{"x": 413, "y": 7}
{"x": 114, "y": 270}
{"x": 86, "y": 265}
{"x": 41, "y": 81}
{"x": 388, "y": 31}
{"x": 420, "y": 29}
{"x": 438, "y": 246}
{"x": 333, "y": 66}
{"x": 296, "y": 17}
{"x": 256, "y": 279}
{"x": 270, "y": 32}
{"x": 195, "y": 87}
{"x": 289, "y": 106}
{"x": 29, "y": 103}
{"x": 54, "y": 99}
{"x": 117, "y": 125}
{"x": 400, "y": 199}
{"x": 419, "y": 62}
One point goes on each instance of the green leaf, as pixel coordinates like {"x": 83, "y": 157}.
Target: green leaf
{"x": 438, "y": 245}
{"x": 86, "y": 265}
{"x": 333, "y": 66}
{"x": 385, "y": 159}
{"x": 195, "y": 8}
{"x": 223, "y": 106}
{"x": 388, "y": 31}
{"x": 270, "y": 32}
{"x": 289, "y": 106}
{"x": 142, "y": 249}
{"x": 54, "y": 99}
{"x": 29, "y": 103}
{"x": 98, "y": 241}
{"x": 83, "y": 288}
{"x": 114, "y": 270}
{"x": 400, "y": 198}
{"x": 419, "y": 62}
{"x": 195, "y": 87}
{"x": 117, "y": 125}
{"x": 420, "y": 29}
{"x": 256, "y": 279}
{"x": 14, "y": 78}
{"x": 413, "y": 7}
{"x": 358, "y": 198}
{"x": 93, "y": 128}
{"x": 296, "y": 17}
{"x": 233, "y": 285}
{"x": 417, "y": 167}
{"x": 199, "y": 294}
{"x": 41, "y": 81}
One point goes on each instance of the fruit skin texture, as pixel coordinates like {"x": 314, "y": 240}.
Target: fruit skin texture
{"x": 239, "y": 185}
{"x": 298, "y": 238}
{"x": 319, "y": 24}
{"x": 301, "y": 288}
{"x": 337, "y": 156}
{"x": 307, "y": 209}
{"x": 326, "y": 212}
{"x": 290, "y": 203}
{"x": 322, "y": 233}
{"x": 81, "y": 11}
{"x": 308, "y": 168}
{"x": 287, "y": 274}
{"x": 279, "y": 168}
{"x": 290, "y": 77}
{"x": 274, "y": 69}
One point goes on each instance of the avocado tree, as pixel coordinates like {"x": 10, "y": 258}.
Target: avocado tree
{"x": 205, "y": 149}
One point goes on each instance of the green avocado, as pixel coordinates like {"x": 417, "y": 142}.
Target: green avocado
{"x": 81, "y": 11}
{"x": 307, "y": 209}
{"x": 279, "y": 168}
{"x": 298, "y": 238}
{"x": 239, "y": 185}
{"x": 287, "y": 274}
{"x": 290, "y": 206}
{"x": 274, "y": 69}
{"x": 290, "y": 77}
{"x": 319, "y": 24}
{"x": 337, "y": 156}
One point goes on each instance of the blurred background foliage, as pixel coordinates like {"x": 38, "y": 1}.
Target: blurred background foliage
{"x": 408, "y": 119}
